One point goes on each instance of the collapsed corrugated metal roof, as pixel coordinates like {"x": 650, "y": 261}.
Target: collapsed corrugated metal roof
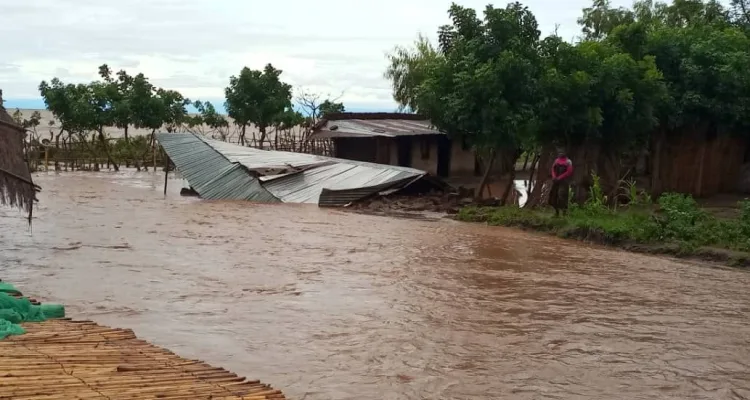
{"x": 372, "y": 125}
{"x": 221, "y": 170}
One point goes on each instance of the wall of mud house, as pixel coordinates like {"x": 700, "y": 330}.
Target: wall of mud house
{"x": 424, "y": 154}
{"x": 696, "y": 164}
{"x": 463, "y": 159}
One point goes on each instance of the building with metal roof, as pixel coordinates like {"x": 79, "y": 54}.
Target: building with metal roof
{"x": 406, "y": 140}
{"x": 225, "y": 171}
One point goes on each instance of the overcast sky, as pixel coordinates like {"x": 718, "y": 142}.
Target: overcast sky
{"x": 326, "y": 46}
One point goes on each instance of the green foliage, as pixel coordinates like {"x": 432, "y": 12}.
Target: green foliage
{"x": 408, "y": 68}
{"x": 745, "y": 217}
{"x": 330, "y": 107}
{"x": 209, "y": 115}
{"x": 682, "y": 217}
{"x": 678, "y": 222}
{"x": 257, "y": 97}
{"x": 116, "y": 100}
{"x": 597, "y": 201}
{"x": 653, "y": 69}
{"x": 634, "y": 197}
{"x": 484, "y": 87}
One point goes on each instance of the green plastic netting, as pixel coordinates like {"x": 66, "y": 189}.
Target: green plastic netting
{"x": 14, "y": 310}
{"x": 8, "y": 288}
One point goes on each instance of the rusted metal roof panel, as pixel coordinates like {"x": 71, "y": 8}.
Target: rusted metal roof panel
{"x": 374, "y": 127}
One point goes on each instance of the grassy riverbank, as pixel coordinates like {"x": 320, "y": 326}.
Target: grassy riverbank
{"x": 676, "y": 226}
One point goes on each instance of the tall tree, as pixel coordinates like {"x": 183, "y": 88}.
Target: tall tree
{"x": 119, "y": 91}
{"x": 330, "y": 107}
{"x": 483, "y": 89}
{"x": 257, "y": 97}
{"x": 408, "y": 68}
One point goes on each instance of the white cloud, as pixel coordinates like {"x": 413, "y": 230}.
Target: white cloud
{"x": 330, "y": 46}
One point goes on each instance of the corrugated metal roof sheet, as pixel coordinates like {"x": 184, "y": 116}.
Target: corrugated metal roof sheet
{"x": 292, "y": 177}
{"x": 212, "y": 175}
{"x": 374, "y": 127}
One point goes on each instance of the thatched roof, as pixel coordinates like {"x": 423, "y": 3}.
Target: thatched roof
{"x": 16, "y": 187}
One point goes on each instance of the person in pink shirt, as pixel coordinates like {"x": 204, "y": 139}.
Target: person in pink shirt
{"x": 562, "y": 171}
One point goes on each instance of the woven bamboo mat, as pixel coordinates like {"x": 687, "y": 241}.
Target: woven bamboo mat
{"x": 64, "y": 359}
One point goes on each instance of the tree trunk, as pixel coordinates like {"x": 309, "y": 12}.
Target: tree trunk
{"x": 142, "y": 158}
{"x": 104, "y": 143}
{"x": 512, "y": 182}
{"x": 242, "y": 135}
{"x": 542, "y": 173}
{"x": 509, "y": 187}
{"x": 57, "y": 150}
{"x": 525, "y": 161}
{"x": 127, "y": 140}
{"x": 262, "y": 130}
{"x": 532, "y": 170}
{"x": 486, "y": 175}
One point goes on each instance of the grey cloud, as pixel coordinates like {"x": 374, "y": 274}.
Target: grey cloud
{"x": 347, "y": 45}
{"x": 9, "y": 68}
{"x": 13, "y": 89}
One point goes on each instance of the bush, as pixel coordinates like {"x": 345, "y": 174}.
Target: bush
{"x": 681, "y": 217}
{"x": 679, "y": 221}
{"x": 745, "y": 217}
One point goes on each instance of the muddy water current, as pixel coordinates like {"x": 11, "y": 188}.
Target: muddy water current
{"x": 325, "y": 304}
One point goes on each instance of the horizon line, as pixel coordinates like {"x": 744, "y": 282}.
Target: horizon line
{"x": 38, "y": 105}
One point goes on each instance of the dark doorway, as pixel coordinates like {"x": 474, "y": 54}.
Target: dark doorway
{"x": 443, "y": 156}
{"x": 359, "y": 149}
{"x": 404, "y": 151}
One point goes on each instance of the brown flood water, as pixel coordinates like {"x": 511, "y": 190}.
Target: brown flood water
{"x": 330, "y": 305}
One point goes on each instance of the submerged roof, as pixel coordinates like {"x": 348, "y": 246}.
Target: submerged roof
{"x": 221, "y": 170}
{"x": 373, "y": 125}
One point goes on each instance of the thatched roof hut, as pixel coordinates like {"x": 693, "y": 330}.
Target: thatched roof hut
{"x": 16, "y": 187}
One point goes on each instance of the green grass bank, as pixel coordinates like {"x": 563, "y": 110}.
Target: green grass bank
{"x": 674, "y": 226}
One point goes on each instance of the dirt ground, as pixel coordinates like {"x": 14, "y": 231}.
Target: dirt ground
{"x": 409, "y": 205}
{"x": 723, "y": 205}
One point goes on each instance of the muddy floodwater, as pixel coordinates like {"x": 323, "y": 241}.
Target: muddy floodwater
{"x": 325, "y": 304}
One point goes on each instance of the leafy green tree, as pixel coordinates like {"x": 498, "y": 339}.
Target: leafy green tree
{"x": 484, "y": 86}
{"x": 119, "y": 92}
{"x": 330, "y": 107}
{"x": 173, "y": 108}
{"x": 408, "y": 68}
{"x": 257, "y": 97}
{"x": 741, "y": 12}
{"x": 600, "y": 19}
{"x": 210, "y": 116}
{"x": 207, "y": 115}
{"x": 119, "y": 101}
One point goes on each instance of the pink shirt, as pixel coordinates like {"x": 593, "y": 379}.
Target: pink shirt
{"x": 562, "y": 168}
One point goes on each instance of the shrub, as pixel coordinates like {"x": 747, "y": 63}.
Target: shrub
{"x": 681, "y": 217}
{"x": 680, "y": 222}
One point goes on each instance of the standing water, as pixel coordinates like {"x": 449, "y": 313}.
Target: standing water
{"x": 331, "y": 305}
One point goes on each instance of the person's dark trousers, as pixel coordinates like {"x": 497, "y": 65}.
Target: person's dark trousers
{"x": 558, "y": 196}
